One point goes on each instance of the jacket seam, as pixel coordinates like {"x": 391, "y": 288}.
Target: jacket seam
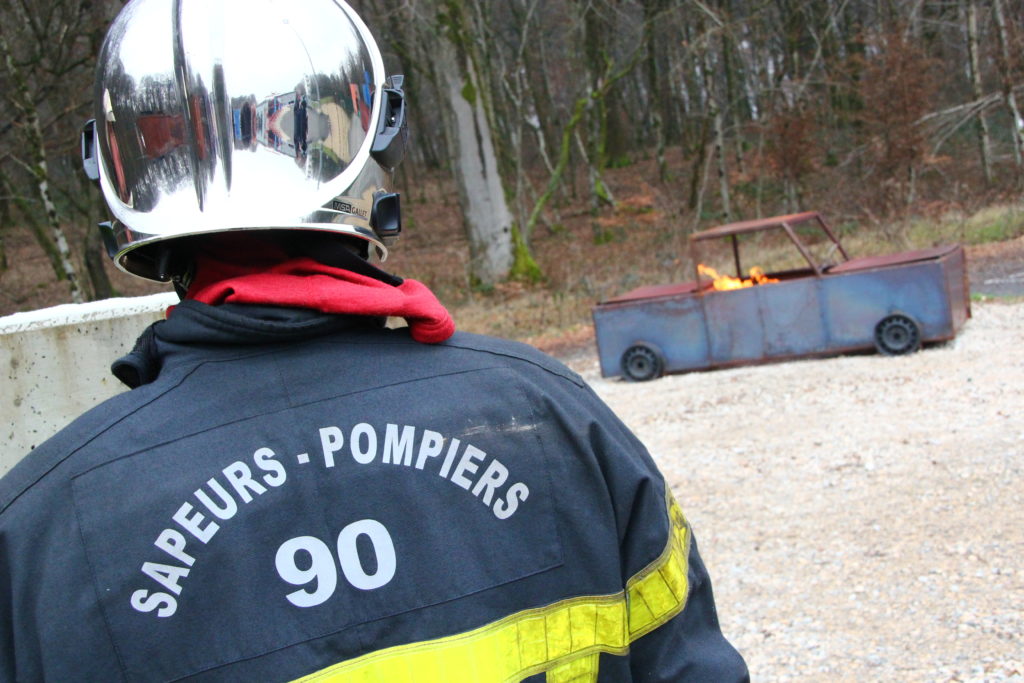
{"x": 99, "y": 431}
{"x": 219, "y": 425}
{"x": 95, "y": 589}
{"x": 570, "y": 376}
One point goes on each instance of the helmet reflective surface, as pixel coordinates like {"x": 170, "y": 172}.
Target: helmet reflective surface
{"x": 218, "y": 115}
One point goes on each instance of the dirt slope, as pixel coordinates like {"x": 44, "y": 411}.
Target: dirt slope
{"x": 861, "y": 516}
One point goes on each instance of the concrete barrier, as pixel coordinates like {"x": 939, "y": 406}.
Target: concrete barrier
{"x": 58, "y": 364}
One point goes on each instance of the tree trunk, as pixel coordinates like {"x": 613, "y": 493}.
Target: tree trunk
{"x": 718, "y": 123}
{"x": 32, "y": 223}
{"x": 521, "y": 114}
{"x": 485, "y": 212}
{"x": 598, "y": 65}
{"x": 699, "y": 169}
{"x": 732, "y": 97}
{"x": 487, "y": 67}
{"x": 96, "y": 254}
{"x": 565, "y": 149}
{"x": 95, "y": 260}
{"x": 33, "y": 137}
{"x": 657, "y": 85}
{"x": 538, "y": 75}
{"x": 5, "y": 220}
{"x": 1007, "y": 73}
{"x": 984, "y": 138}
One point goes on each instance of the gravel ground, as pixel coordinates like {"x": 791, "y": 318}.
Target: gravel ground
{"x": 862, "y": 517}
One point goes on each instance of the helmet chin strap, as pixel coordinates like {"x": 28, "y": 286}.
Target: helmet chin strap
{"x": 183, "y": 281}
{"x": 174, "y": 269}
{"x": 338, "y": 251}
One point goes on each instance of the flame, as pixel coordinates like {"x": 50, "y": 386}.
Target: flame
{"x": 725, "y": 282}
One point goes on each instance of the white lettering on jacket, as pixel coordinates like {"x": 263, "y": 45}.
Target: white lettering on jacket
{"x": 406, "y": 446}
{"x": 197, "y": 520}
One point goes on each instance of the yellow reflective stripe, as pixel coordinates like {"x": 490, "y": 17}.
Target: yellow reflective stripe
{"x": 658, "y": 592}
{"x": 519, "y": 645}
{"x": 564, "y": 638}
{"x": 579, "y": 670}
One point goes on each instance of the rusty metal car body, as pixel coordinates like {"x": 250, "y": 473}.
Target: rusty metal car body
{"x": 892, "y": 303}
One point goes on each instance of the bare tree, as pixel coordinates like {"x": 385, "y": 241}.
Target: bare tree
{"x": 984, "y": 136}
{"x": 791, "y": 151}
{"x": 593, "y": 38}
{"x": 31, "y": 130}
{"x": 898, "y": 83}
{"x": 49, "y": 50}
{"x": 1007, "y": 68}
{"x": 657, "y": 79}
{"x": 486, "y": 215}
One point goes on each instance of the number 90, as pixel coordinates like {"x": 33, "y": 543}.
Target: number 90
{"x": 322, "y": 566}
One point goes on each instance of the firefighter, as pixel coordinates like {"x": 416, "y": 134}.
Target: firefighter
{"x": 291, "y": 489}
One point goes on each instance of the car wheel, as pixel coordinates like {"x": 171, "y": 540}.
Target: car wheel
{"x": 897, "y": 334}
{"x": 642, "y": 362}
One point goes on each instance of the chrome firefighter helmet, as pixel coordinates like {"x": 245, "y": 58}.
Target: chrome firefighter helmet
{"x": 221, "y": 115}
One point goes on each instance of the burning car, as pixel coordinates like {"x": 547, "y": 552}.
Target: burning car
{"x": 822, "y": 303}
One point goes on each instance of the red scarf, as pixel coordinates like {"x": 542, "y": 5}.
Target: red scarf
{"x": 305, "y": 283}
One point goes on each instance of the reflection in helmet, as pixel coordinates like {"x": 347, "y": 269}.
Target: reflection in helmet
{"x": 218, "y": 121}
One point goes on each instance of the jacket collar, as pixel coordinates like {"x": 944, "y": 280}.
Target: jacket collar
{"x": 228, "y": 325}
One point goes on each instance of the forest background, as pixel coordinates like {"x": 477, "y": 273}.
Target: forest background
{"x": 562, "y": 150}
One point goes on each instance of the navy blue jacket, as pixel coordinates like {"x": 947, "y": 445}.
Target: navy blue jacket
{"x": 287, "y": 492}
